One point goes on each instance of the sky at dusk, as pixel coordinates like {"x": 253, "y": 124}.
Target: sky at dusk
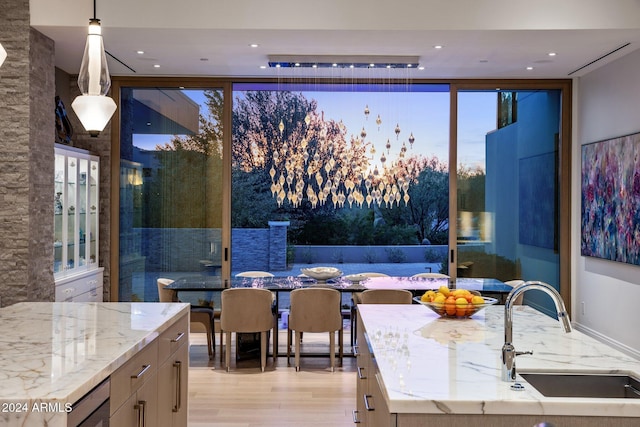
{"x": 423, "y": 113}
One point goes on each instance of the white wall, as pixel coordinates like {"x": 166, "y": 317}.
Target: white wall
{"x": 606, "y": 105}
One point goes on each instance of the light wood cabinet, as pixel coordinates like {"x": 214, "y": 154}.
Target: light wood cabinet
{"x": 371, "y": 407}
{"x": 151, "y": 389}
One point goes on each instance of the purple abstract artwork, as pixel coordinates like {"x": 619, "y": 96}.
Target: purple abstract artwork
{"x": 611, "y": 199}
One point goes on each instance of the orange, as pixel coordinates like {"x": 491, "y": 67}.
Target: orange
{"x": 450, "y": 306}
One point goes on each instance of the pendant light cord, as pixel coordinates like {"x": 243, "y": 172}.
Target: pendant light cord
{"x": 94, "y": 9}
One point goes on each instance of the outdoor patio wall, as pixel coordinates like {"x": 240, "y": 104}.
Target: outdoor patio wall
{"x": 250, "y": 249}
{"x": 369, "y": 254}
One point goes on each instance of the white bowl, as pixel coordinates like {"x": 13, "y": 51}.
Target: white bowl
{"x": 321, "y": 273}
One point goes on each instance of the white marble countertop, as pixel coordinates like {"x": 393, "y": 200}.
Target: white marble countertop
{"x": 433, "y": 365}
{"x": 57, "y": 352}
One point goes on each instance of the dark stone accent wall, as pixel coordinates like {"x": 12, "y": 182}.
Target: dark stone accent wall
{"x": 250, "y": 249}
{"x": 26, "y": 160}
{"x": 41, "y": 167}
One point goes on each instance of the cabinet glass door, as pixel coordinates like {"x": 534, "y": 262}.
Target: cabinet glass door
{"x": 70, "y": 212}
{"x": 76, "y": 217}
{"x": 92, "y": 217}
{"x": 58, "y": 197}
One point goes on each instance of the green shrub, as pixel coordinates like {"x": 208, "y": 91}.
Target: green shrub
{"x": 395, "y": 255}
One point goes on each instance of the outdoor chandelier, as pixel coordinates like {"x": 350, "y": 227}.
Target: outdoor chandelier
{"x": 94, "y": 108}
{"x": 3, "y": 54}
{"x": 339, "y": 172}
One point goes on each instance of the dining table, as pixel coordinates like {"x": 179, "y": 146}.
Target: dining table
{"x": 207, "y": 285}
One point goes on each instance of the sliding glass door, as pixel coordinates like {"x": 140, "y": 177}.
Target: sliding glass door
{"x": 508, "y": 185}
{"x": 170, "y": 187}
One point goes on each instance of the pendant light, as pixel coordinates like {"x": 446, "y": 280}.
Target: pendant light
{"x": 94, "y": 108}
{"x": 3, "y": 54}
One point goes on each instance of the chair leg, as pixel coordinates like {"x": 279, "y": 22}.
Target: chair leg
{"x": 332, "y": 348}
{"x": 297, "y": 344}
{"x": 275, "y": 331}
{"x": 341, "y": 344}
{"x": 263, "y": 349}
{"x": 228, "y": 350}
{"x": 221, "y": 352}
{"x": 210, "y": 346}
{"x": 288, "y": 345}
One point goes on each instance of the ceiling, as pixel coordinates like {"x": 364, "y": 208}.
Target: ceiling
{"x": 196, "y": 38}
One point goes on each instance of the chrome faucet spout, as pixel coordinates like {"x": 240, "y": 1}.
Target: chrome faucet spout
{"x": 509, "y": 352}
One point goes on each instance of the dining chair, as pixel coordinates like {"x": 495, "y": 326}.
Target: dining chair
{"x": 432, "y": 275}
{"x": 254, "y": 273}
{"x": 315, "y": 310}
{"x": 377, "y": 296}
{"x": 354, "y": 302}
{"x": 385, "y": 296}
{"x": 200, "y": 316}
{"x": 513, "y": 284}
{"x": 247, "y": 310}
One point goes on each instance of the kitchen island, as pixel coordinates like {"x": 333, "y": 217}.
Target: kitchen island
{"x": 53, "y": 354}
{"x": 416, "y": 369}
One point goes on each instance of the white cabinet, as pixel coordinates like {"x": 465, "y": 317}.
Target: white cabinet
{"x": 76, "y": 225}
{"x": 83, "y": 286}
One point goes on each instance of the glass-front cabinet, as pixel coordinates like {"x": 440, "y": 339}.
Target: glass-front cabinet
{"x": 76, "y": 223}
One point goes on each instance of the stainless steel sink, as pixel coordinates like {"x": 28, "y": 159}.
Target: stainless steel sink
{"x": 610, "y": 386}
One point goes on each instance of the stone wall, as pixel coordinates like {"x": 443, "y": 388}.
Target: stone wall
{"x": 27, "y": 159}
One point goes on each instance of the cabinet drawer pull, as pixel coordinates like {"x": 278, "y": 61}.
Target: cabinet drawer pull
{"x": 141, "y": 408}
{"x": 178, "y": 338}
{"x": 144, "y": 369}
{"x": 178, "y": 365}
{"x": 360, "y": 375}
{"x": 366, "y": 403}
{"x": 354, "y": 414}
{"x": 356, "y": 351}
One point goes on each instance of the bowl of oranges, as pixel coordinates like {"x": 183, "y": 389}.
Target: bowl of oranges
{"x": 454, "y": 303}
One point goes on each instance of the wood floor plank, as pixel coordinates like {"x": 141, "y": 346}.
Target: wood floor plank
{"x": 280, "y": 396}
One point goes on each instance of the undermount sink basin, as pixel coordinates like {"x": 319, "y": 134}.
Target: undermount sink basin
{"x": 612, "y": 386}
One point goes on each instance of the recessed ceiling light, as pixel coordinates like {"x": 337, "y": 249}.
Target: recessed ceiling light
{"x": 277, "y": 65}
{"x": 351, "y": 66}
{"x": 334, "y": 65}
{"x": 263, "y": 67}
{"x": 297, "y": 64}
{"x": 372, "y": 65}
{"x": 529, "y": 68}
{"x": 552, "y": 54}
{"x": 140, "y": 52}
{"x": 254, "y": 45}
{"x": 421, "y": 67}
{"x": 156, "y": 65}
{"x": 314, "y": 66}
{"x": 438, "y": 46}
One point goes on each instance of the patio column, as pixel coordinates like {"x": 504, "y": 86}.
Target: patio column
{"x": 278, "y": 245}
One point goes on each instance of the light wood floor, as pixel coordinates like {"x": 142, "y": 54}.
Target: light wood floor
{"x": 280, "y": 396}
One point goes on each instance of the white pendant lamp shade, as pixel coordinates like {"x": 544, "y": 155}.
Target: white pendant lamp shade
{"x": 94, "y": 111}
{"x": 3, "y": 54}
{"x": 93, "y": 107}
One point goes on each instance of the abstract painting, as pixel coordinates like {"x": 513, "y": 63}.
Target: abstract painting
{"x": 611, "y": 199}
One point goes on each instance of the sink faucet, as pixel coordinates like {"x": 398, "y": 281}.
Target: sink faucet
{"x": 509, "y": 352}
